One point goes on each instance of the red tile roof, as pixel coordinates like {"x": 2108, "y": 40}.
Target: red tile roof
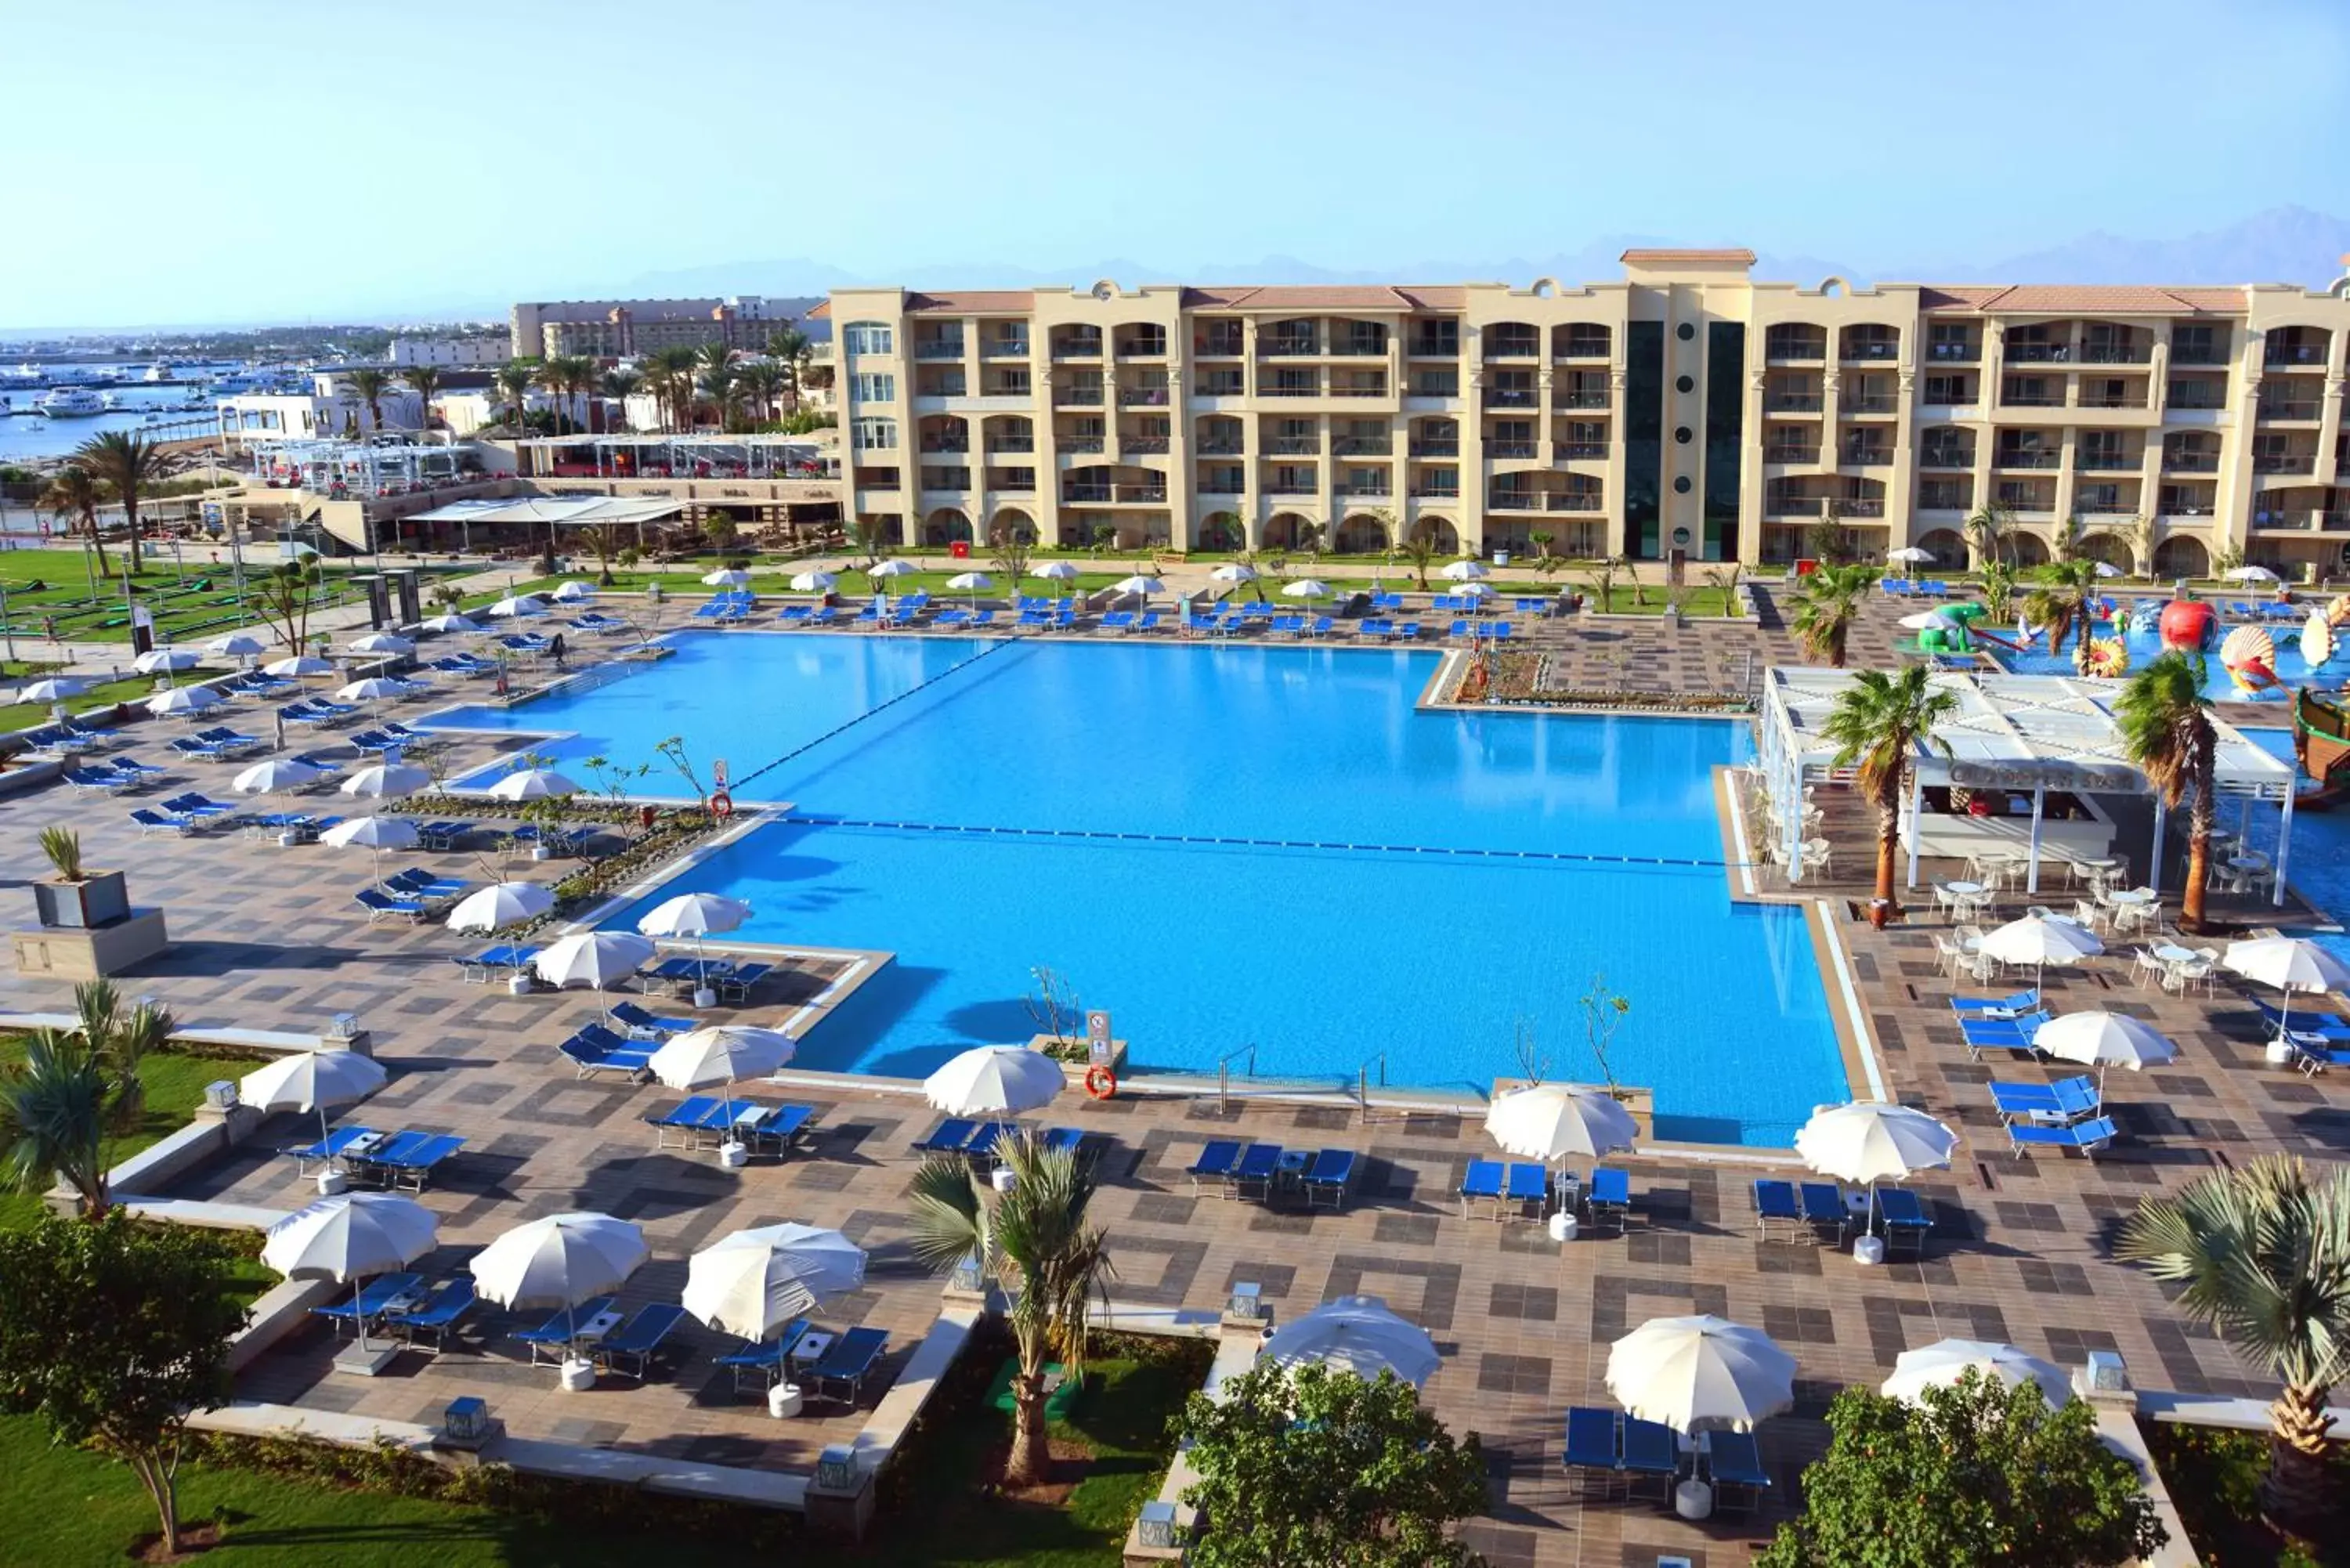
{"x": 1324, "y": 296}
{"x": 1668, "y": 256}
{"x": 974, "y": 300}
{"x": 2090, "y": 299}
{"x": 820, "y": 311}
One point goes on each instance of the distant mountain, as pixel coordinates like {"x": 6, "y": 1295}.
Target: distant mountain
{"x": 2283, "y": 245}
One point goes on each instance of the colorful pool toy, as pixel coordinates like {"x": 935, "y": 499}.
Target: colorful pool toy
{"x": 1952, "y": 630}
{"x": 2317, "y": 640}
{"x": 2189, "y": 625}
{"x": 2249, "y": 656}
{"x": 2108, "y": 658}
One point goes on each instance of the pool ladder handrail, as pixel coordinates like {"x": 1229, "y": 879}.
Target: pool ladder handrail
{"x": 1224, "y": 1075}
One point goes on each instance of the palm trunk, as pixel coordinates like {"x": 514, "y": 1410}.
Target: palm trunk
{"x": 1032, "y": 1454}
{"x": 2202, "y": 817}
{"x": 1888, "y": 843}
{"x": 2293, "y": 1493}
{"x": 131, "y": 518}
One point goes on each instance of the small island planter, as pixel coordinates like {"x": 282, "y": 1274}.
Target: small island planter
{"x": 99, "y": 900}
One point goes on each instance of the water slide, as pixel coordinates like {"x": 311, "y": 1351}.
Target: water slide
{"x": 2321, "y": 738}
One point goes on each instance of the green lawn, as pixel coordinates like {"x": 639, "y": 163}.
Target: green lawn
{"x": 105, "y": 694}
{"x": 191, "y": 600}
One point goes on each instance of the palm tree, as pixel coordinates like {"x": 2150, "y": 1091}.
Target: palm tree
{"x": 515, "y": 377}
{"x": 1826, "y": 606}
{"x": 73, "y": 493}
{"x": 724, "y": 390}
{"x": 120, "y": 1040}
{"x": 1034, "y": 1239}
{"x": 1985, "y": 531}
{"x": 789, "y": 348}
{"x": 579, "y": 381}
{"x": 715, "y": 363}
{"x": 553, "y": 374}
{"x": 423, "y": 380}
{"x": 672, "y": 371}
{"x": 371, "y": 384}
{"x": 131, "y": 464}
{"x": 2165, "y": 725}
{"x": 1880, "y": 721}
{"x": 54, "y": 1111}
{"x": 765, "y": 380}
{"x": 2262, "y": 1255}
{"x": 2066, "y": 607}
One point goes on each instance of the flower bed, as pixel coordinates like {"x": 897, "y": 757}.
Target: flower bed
{"x": 672, "y": 833}
{"x": 2213, "y": 1475}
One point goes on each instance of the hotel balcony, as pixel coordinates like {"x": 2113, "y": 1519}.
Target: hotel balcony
{"x": 1436, "y": 489}
{"x": 1570, "y": 343}
{"x": 2286, "y": 410}
{"x": 1080, "y": 445}
{"x": 1511, "y": 397}
{"x": 1355, "y": 384}
{"x": 1011, "y": 443}
{"x": 1363, "y": 446}
{"x": 2037, "y": 353}
{"x": 1221, "y": 341}
{"x": 2285, "y": 462}
{"x": 1076, "y": 346}
{"x": 1864, "y": 457}
{"x": 1365, "y": 490}
{"x": 1434, "y": 448}
{"x": 1276, "y": 347}
{"x": 1508, "y": 449}
{"x": 1310, "y": 388}
{"x": 2132, "y": 353}
{"x": 1113, "y": 494}
{"x": 1860, "y": 351}
{"x": 1013, "y": 481}
{"x": 2027, "y": 496}
{"x": 1949, "y": 353}
{"x": 2198, "y": 394}
{"x": 2028, "y": 457}
{"x": 1792, "y": 452}
{"x": 2127, "y": 396}
{"x": 946, "y": 443}
{"x": 1142, "y": 397}
{"x": 1582, "y": 451}
{"x": 1294, "y": 446}
{"x": 938, "y": 349}
{"x": 1788, "y": 344}
{"x": 2190, "y": 461}
{"x": 1219, "y": 446}
{"x": 1544, "y": 501}
{"x": 1869, "y": 403}
{"x": 2089, "y": 460}
{"x": 1946, "y": 455}
{"x": 1142, "y": 346}
{"x": 2107, "y": 500}
{"x": 1946, "y": 495}
{"x": 1427, "y": 347}
{"x": 1003, "y": 348}
{"x": 1792, "y": 403}
{"x": 1143, "y": 445}
{"x": 2295, "y": 346}
{"x": 1067, "y": 397}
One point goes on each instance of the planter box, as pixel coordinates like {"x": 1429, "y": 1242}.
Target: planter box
{"x": 98, "y": 900}
{"x": 65, "y": 953}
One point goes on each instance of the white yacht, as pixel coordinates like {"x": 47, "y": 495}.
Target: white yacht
{"x": 162, "y": 371}
{"x": 69, "y": 402}
{"x": 116, "y": 403}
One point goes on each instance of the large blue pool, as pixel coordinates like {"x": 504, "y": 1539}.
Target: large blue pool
{"x": 1409, "y": 946}
{"x": 2291, "y": 668}
{"x": 2319, "y": 867}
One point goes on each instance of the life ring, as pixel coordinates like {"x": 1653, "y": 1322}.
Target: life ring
{"x": 1100, "y": 1082}
{"x": 722, "y": 806}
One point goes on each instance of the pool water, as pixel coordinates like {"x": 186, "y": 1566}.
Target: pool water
{"x": 2319, "y": 867}
{"x": 2291, "y": 668}
{"x": 1369, "y": 926}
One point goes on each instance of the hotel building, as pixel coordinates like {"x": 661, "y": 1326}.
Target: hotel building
{"x": 621, "y": 328}
{"x": 1686, "y": 407}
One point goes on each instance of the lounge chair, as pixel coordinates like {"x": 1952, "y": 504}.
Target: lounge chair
{"x": 955, "y": 615}
{"x": 691, "y": 1115}
{"x": 1825, "y": 1208}
{"x": 1061, "y": 1140}
{"x": 562, "y": 1327}
{"x": 2087, "y": 1137}
{"x": 1652, "y": 1453}
{"x": 381, "y": 907}
{"x": 371, "y": 1300}
{"x": 442, "y": 835}
{"x": 765, "y": 1358}
{"x": 984, "y": 617}
{"x": 196, "y": 751}
{"x": 598, "y": 1050}
{"x": 325, "y": 1151}
{"x": 646, "y": 1026}
{"x": 2003, "y": 1034}
{"x": 2068, "y": 1100}
{"x": 1734, "y": 1466}
{"x": 418, "y": 883}
{"x": 981, "y": 1149}
{"x": 1592, "y": 1450}
{"x": 99, "y": 781}
{"x": 482, "y": 965}
{"x": 1905, "y": 1218}
{"x": 1216, "y": 1162}
{"x": 407, "y": 1158}
{"x": 1259, "y": 1164}
{"x": 1481, "y": 1183}
{"x": 950, "y": 1137}
{"x": 631, "y": 1348}
{"x": 734, "y": 981}
{"x": 1117, "y": 620}
{"x": 1327, "y": 1179}
{"x": 436, "y": 1316}
{"x": 1608, "y": 1199}
{"x": 2326, "y": 1026}
{"x": 2313, "y": 1054}
{"x": 1988, "y": 1009}
{"x": 131, "y": 767}
{"x": 1775, "y": 1199}
{"x": 846, "y": 1364}
{"x": 783, "y": 1125}
{"x": 152, "y": 821}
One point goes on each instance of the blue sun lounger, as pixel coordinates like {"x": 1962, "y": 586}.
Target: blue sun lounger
{"x": 150, "y": 820}
{"x": 631, "y": 1348}
{"x": 646, "y": 1026}
{"x": 1592, "y": 1455}
{"x": 562, "y": 1327}
{"x": 1259, "y": 1163}
{"x": 381, "y": 907}
{"x": 2326, "y": 1026}
{"x": 1061, "y": 1140}
{"x": 1904, "y": 1217}
{"x": 371, "y": 1301}
{"x": 765, "y": 1358}
{"x": 735, "y": 980}
{"x": 1527, "y": 1188}
{"x": 482, "y": 965}
{"x": 1775, "y": 1199}
{"x": 1733, "y": 1465}
{"x": 407, "y": 1158}
{"x": 783, "y": 1125}
{"x": 1824, "y": 1208}
{"x": 418, "y": 883}
{"x": 982, "y": 1147}
{"x": 1481, "y": 1183}
{"x": 436, "y": 1317}
{"x": 595, "y": 1049}
{"x": 2003, "y": 1034}
{"x": 325, "y": 1151}
{"x": 2312, "y": 1055}
{"x": 2066, "y": 1100}
{"x": 1989, "y": 1009}
{"x": 1652, "y": 1453}
{"x": 847, "y": 1363}
{"x": 692, "y": 1117}
{"x": 2087, "y": 1137}
{"x": 1215, "y": 1163}
{"x": 950, "y": 1137}
{"x": 1609, "y": 1198}
{"x": 1326, "y": 1180}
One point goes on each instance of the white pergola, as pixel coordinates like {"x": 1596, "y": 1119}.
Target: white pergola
{"x": 366, "y": 468}
{"x": 552, "y": 511}
{"x": 2034, "y": 732}
{"x": 696, "y": 456}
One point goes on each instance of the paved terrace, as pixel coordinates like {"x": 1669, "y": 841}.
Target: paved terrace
{"x": 268, "y": 938}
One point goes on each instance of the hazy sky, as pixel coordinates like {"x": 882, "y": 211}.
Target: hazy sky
{"x": 247, "y": 158}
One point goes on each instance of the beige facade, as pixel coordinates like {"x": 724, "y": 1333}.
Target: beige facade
{"x": 1686, "y": 407}
{"x": 621, "y": 328}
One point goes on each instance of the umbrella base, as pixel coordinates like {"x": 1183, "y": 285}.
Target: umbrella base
{"x": 733, "y": 1155}
{"x": 367, "y": 1362}
{"x": 705, "y": 996}
{"x": 1868, "y": 1249}
{"x": 2277, "y": 1053}
{"x": 784, "y": 1401}
{"x": 577, "y": 1376}
{"x": 331, "y": 1182}
{"x": 1564, "y": 1226}
{"x": 1693, "y": 1499}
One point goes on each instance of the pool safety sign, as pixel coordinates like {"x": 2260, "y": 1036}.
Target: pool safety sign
{"x": 1098, "y": 1037}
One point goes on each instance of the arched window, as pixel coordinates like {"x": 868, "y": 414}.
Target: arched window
{"x": 867, "y": 337}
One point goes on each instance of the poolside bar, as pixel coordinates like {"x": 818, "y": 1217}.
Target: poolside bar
{"x": 2052, "y": 738}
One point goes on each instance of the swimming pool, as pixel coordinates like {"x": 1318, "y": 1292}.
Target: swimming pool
{"x": 2290, "y": 668}
{"x": 1429, "y": 951}
{"x": 2319, "y": 868}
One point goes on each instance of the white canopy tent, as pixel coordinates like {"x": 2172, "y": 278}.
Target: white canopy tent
{"x": 552, "y": 511}
{"x": 2019, "y": 732}
{"x": 631, "y": 455}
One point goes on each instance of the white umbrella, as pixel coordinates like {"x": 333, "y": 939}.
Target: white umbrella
{"x": 2248, "y": 575}
{"x": 1558, "y": 1121}
{"x": 2289, "y": 963}
{"x": 382, "y": 642}
{"x": 971, "y": 583}
{"x": 1476, "y": 592}
{"x": 994, "y": 1080}
{"x": 276, "y": 776}
{"x": 1139, "y": 586}
{"x": 236, "y": 645}
{"x": 1356, "y": 1334}
{"x": 1909, "y": 555}
{"x": 375, "y": 688}
{"x": 558, "y": 1262}
{"x": 1463, "y": 572}
{"x": 695, "y": 915}
{"x": 522, "y": 608}
{"x": 593, "y": 958}
{"x": 1945, "y": 1361}
{"x": 1233, "y": 572}
{"x": 726, "y": 1054}
{"x": 726, "y": 577}
{"x": 350, "y": 1237}
{"x": 55, "y": 688}
{"x": 2106, "y": 569}
{"x": 533, "y": 784}
{"x": 183, "y": 700}
{"x": 2100, "y": 1039}
{"x": 373, "y": 833}
{"x": 751, "y": 1282}
{"x": 1057, "y": 572}
{"x": 573, "y": 593}
{"x": 1930, "y": 620}
{"x": 311, "y": 1081}
{"x": 1305, "y": 588}
{"x": 500, "y": 904}
{"x": 815, "y": 582}
{"x": 165, "y": 660}
{"x": 1691, "y": 1371}
{"x": 1873, "y": 1141}
{"x": 450, "y": 623}
{"x": 297, "y": 667}
{"x": 386, "y": 781}
{"x": 2041, "y": 941}
{"x": 889, "y": 569}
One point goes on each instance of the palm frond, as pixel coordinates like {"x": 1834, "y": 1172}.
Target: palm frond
{"x": 949, "y": 1215}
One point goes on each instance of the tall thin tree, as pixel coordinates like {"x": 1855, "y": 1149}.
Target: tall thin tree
{"x": 128, "y": 463}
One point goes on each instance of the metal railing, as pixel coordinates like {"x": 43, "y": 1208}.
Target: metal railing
{"x": 1218, "y": 348}
{"x": 1286, "y": 347}
{"x": 2284, "y": 463}
{"x": 2039, "y": 353}
{"x": 1584, "y": 451}
{"x": 1868, "y": 457}
{"x": 1080, "y": 348}
{"x": 2274, "y": 353}
{"x": 1512, "y": 348}
{"x": 2190, "y": 463}
{"x": 2191, "y": 399}
{"x": 963, "y": 445}
{"x": 1218, "y": 449}
{"x": 943, "y": 348}
{"x": 1799, "y": 350}
{"x": 1359, "y": 389}
{"x": 1508, "y": 449}
{"x": 1080, "y": 444}
{"x": 1791, "y": 402}
{"x": 1871, "y": 348}
{"x": 1142, "y": 348}
{"x": 1142, "y": 397}
{"x": 2030, "y": 401}
{"x": 2278, "y": 409}
{"x": 1294, "y": 446}
{"x": 1435, "y": 448}
{"x": 1222, "y": 387}
{"x": 2107, "y": 463}
{"x": 1147, "y": 446}
{"x": 2197, "y": 355}
{"x": 1434, "y": 349}
{"x": 1435, "y": 491}
{"x": 1579, "y": 398}
{"x": 1954, "y": 353}
{"x": 1791, "y": 455}
{"x": 1013, "y": 444}
{"x": 1869, "y": 403}
{"x": 2009, "y": 457}
{"x": 1508, "y": 398}
{"x": 1363, "y": 492}
{"x": 1363, "y": 446}
{"x": 1004, "y": 348}
{"x": 1307, "y": 391}
{"x": 1947, "y": 457}
{"x": 2117, "y": 354}
{"x": 1569, "y": 501}
{"x": 1077, "y": 397}
{"x": 1581, "y": 348}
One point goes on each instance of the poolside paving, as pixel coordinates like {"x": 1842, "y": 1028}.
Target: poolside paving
{"x": 269, "y": 939}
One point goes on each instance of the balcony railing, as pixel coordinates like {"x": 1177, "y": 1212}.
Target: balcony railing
{"x": 2008, "y": 457}
{"x": 1508, "y": 398}
{"x": 1142, "y": 348}
{"x": 1306, "y": 391}
{"x": 1221, "y": 484}
{"x": 2117, "y": 354}
{"x": 942, "y": 387}
{"x": 1378, "y": 492}
{"x": 1012, "y": 443}
{"x": 1142, "y": 397}
{"x": 2039, "y": 353}
{"x": 1435, "y": 348}
{"x": 1513, "y": 501}
{"x": 1218, "y": 348}
{"x": 1511, "y": 349}
{"x": 2333, "y": 522}
{"x": 1871, "y": 351}
{"x": 1508, "y": 449}
{"x": 1080, "y": 445}
{"x": 2190, "y": 463}
{"x": 1012, "y": 485}
{"x": 947, "y": 443}
{"x": 2107, "y": 463}
{"x": 1447, "y": 387}
{"x": 1286, "y": 347}
{"x": 2284, "y": 463}
{"x": 1083, "y": 349}
{"x": 1583, "y": 450}
{"x": 1435, "y": 448}
{"x": 943, "y": 348}
{"x": 1953, "y": 353}
{"x": 2179, "y": 356}
{"x": 1572, "y": 349}
{"x": 1869, "y": 403}
{"x": 1289, "y": 487}
{"x": 1867, "y": 457}
{"x": 1359, "y": 349}
{"x": 1791, "y": 402}
{"x": 2276, "y": 353}
{"x": 2031, "y": 400}
{"x": 1932, "y": 498}
{"x": 1799, "y": 352}
{"x": 2110, "y": 400}
{"x": 1856, "y": 507}
{"x": 1098, "y": 494}
{"x": 1077, "y": 397}
{"x": 1145, "y": 446}
{"x": 1428, "y": 490}
{"x": 1569, "y": 501}
{"x": 1294, "y": 446}
{"x": 1004, "y": 348}
{"x": 1579, "y": 398}
{"x": 2104, "y": 506}
{"x": 2192, "y": 399}
{"x": 1791, "y": 455}
{"x": 1363, "y": 446}
{"x": 1359, "y": 389}
{"x": 1222, "y": 446}
{"x": 2281, "y": 409}
{"x": 1020, "y": 389}
{"x": 1946, "y": 457}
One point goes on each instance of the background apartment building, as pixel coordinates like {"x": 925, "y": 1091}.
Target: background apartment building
{"x": 1686, "y": 407}
{"x": 620, "y": 329}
